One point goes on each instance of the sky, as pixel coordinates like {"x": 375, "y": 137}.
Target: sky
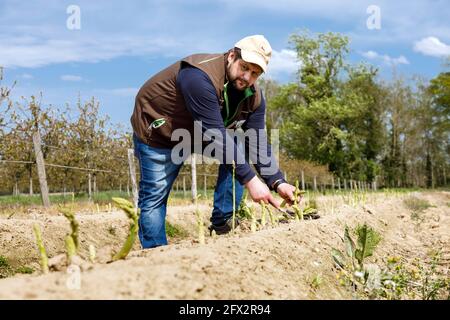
{"x": 109, "y": 49}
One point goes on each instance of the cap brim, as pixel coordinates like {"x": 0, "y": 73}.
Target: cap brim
{"x": 253, "y": 57}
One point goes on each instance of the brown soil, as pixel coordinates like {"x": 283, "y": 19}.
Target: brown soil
{"x": 275, "y": 263}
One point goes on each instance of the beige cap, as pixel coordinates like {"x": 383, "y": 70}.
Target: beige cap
{"x": 255, "y": 49}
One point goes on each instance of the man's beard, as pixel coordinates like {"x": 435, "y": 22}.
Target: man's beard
{"x": 236, "y": 80}
{"x": 242, "y": 86}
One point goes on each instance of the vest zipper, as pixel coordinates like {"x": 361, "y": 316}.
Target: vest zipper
{"x": 247, "y": 93}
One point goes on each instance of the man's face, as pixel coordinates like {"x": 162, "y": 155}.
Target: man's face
{"x": 240, "y": 73}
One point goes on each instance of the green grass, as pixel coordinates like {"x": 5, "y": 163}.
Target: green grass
{"x": 416, "y": 205}
{"x": 174, "y": 231}
{"x": 24, "y": 270}
{"x": 6, "y": 270}
{"x": 103, "y": 197}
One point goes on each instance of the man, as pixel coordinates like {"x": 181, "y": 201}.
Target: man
{"x": 220, "y": 91}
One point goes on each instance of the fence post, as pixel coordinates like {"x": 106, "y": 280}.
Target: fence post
{"x": 132, "y": 168}
{"x": 303, "y": 180}
{"x": 315, "y": 183}
{"x": 339, "y": 184}
{"x": 193, "y": 178}
{"x": 41, "y": 169}
{"x": 89, "y": 186}
{"x": 332, "y": 183}
{"x": 204, "y": 185}
{"x": 184, "y": 186}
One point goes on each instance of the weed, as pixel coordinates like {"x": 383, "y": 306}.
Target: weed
{"x": 353, "y": 272}
{"x": 175, "y": 231}
{"x": 316, "y": 282}
{"x": 24, "y": 270}
{"x": 417, "y": 206}
{"x": 5, "y": 268}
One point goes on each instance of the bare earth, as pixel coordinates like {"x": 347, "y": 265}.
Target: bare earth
{"x": 275, "y": 263}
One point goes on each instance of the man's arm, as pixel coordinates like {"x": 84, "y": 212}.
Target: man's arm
{"x": 260, "y": 148}
{"x": 266, "y": 162}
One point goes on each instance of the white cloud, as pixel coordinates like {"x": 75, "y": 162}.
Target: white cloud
{"x": 284, "y": 61}
{"x": 372, "y": 55}
{"x": 33, "y": 52}
{"x": 432, "y": 46}
{"x": 26, "y": 76}
{"x": 70, "y": 77}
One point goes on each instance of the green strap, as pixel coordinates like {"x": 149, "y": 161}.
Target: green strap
{"x": 247, "y": 93}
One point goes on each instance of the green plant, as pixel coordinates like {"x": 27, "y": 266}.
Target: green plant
{"x": 5, "y": 268}
{"x": 133, "y": 216}
{"x": 247, "y": 212}
{"x": 92, "y": 253}
{"x": 71, "y": 240}
{"x": 351, "y": 264}
{"x": 200, "y": 223}
{"x": 316, "y": 282}
{"x": 24, "y": 270}
{"x": 417, "y": 206}
{"x": 419, "y": 280}
{"x": 173, "y": 231}
{"x": 263, "y": 213}
{"x": 42, "y": 251}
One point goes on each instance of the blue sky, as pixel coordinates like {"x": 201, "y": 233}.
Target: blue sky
{"x": 121, "y": 44}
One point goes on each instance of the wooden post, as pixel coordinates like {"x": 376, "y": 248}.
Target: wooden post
{"x": 193, "y": 178}
{"x": 345, "y": 184}
{"x": 132, "y": 168}
{"x": 339, "y": 184}
{"x": 315, "y": 183}
{"x": 303, "y": 180}
{"x": 31, "y": 186}
{"x": 184, "y": 186}
{"x": 445, "y": 175}
{"x": 41, "y": 169}
{"x": 89, "y": 186}
{"x": 128, "y": 182}
{"x": 204, "y": 185}
{"x": 332, "y": 183}
{"x": 95, "y": 183}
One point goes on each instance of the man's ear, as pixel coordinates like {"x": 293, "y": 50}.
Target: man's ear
{"x": 231, "y": 56}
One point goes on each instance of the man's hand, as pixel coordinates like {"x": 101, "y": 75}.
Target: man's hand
{"x": 259, "y": 191}
{"x": 286, "y": 191}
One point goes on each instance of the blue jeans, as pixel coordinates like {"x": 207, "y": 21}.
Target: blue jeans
{"x": 158, "y": 173}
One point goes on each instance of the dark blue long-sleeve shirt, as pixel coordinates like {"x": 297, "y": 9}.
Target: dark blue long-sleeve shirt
{"x": 201, "y": 100}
